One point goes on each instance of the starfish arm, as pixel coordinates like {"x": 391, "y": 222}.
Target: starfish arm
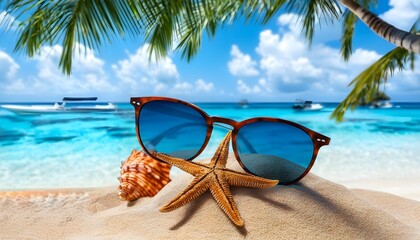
{"x": 221, "y": 193}
{"x": 220, "y": 157}
{"x": 239, "y": 179}
{"x": 189, "y": 167}
{"x": 216, "y": 177}
{"x": 197, "y": 187}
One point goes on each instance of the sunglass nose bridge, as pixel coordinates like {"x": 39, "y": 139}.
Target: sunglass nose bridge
{"x": 224, "y": 122}
{"x": 224, "y": 125}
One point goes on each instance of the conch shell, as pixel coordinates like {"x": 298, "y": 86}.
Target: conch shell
{"x": 142, "y": 176}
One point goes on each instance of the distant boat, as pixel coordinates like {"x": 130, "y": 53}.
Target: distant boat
{"x": 307, "y": 105}
{"x": 243, "y": 103}
{"x": 62, "y": 108}
{"x": 381, "y": 104}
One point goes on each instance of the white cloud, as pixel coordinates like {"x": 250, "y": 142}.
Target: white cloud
{"x": 204, "y": 86}
{"x": 402, "y": 14}
{"x": 8, "y": 67}
{"x": 289, "y": 67}
{"x": 289, "y": 22}
{"x": 246, "y": 89}
{"x": 144, "y": 75}
{"x": 187, "y": 88}
{"x": 325, "y": 30}
{"x": 182, "y": 87}
{"x": 318, "y": 68}
{"x": 261, "y": 87}
{"x": 241, "y": 65}
{"x": 88, "y": 75}
{"x": 286, "y": 62}
{"x": 363, "y": 57}
{"x": 136, "y": 75}
{"x": 15, "y": 86}
{"x": 7, "y": 21}
{"x": 265, "y": 85}
{"x": 9, "y": 80}
{"x": 406, "y": 81}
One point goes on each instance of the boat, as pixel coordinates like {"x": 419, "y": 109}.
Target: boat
{"x": 67, "y": 106}
{"x": 307, "y": 105}
{"x": 243, "y": 103}
{"x": 381, "y": 104}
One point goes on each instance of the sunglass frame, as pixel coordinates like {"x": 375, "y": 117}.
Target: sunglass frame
{"x": 318, "y": 139}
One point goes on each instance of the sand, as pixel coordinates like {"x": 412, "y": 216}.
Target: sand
{"x": 403, "y": 187}
{"x": 313, "y": 209}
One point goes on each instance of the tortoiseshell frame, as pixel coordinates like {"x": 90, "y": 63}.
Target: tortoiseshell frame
{"x": 318, "y": 139}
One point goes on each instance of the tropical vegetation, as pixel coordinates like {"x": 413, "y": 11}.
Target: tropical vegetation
{"x": 378, "y": 97}
{"x": 164, "y": 23}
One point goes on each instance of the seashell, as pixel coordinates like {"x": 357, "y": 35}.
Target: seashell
{"x": 142, "y": 176}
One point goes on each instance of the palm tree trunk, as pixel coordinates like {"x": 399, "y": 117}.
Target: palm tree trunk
{"x": 407, "y": 40}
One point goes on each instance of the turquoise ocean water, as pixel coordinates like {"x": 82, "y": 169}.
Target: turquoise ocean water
{"x": 85, "y": 149}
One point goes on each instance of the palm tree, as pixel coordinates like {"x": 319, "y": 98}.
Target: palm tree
{"x": 160, "y": 22}
{"x": 406, "y": 40}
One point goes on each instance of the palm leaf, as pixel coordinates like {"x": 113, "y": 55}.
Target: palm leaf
{"x": 312, "y": 12}
{"x": 191, "y": 18}
{"x": 367, "y": 83}
{"x": 349, "y": 25}
{"x": 160, "y": 22}
{"x": 90, "y": 22}
{"x": 348, "y": 30}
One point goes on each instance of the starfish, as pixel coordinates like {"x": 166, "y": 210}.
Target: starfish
{"x": 214, "y": 176}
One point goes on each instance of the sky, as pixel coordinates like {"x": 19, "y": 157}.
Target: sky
{"x": 265, "y": 63}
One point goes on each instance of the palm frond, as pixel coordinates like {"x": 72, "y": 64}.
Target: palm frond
{"x": 189, "y": 19}
{"x": 312, "y": 12}
{"x": 349, "y": 25}
{"x": 197, "y": 16}
{"x": 367, "y": 83}
{"x": 413, "y": 29}
{"x": 160, "y": 22}
{"x": 90, "y": 22}
{"x": 348, "y": 30}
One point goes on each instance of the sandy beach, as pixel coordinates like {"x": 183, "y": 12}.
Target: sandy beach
{"x": 313, "y": 209}
{"x": 405, "y": 188}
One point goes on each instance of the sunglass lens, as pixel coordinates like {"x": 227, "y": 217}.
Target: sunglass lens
{"x": 275, "y": 150}
{"x": 172, "y": 128}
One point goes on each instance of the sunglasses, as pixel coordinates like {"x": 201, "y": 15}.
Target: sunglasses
{"x": 267, "y": 147}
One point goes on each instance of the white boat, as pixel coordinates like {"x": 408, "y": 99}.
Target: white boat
{"x": 62, "y": 108}
{"x": 381, "y": 104}
{"x": 243, "y": 103}
{"x": 307, "y": 105}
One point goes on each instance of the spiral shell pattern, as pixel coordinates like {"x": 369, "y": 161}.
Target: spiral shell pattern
{"x": 142, "y": 176}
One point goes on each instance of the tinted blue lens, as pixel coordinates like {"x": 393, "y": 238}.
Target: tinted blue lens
{"x": 275, "y": 150}
{"x": 172, "y": 128}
